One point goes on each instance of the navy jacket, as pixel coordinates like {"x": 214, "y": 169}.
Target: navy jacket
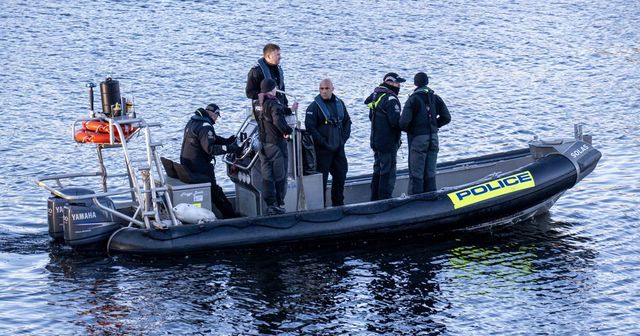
{"x": 424, "y": 113}
{"x": 384, "y": 113}
{"x": 330, "y": 129}
{"x": 200, "y": 144}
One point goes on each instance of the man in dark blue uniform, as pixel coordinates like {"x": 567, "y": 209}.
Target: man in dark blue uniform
{"x": 384, "y": 113}
{"x": 274, "y": 132}
{"x": 328, "y": 122}
{"x": 268, "y": 67}
{"x": 423, "y": 114}
{"x": 200, "y": 145}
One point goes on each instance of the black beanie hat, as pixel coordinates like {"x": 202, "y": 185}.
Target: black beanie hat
{"x": 420, "y": 79}
{"x": 267, "y": 85}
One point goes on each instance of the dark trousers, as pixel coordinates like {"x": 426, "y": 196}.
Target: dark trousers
{"x": 274, "y": 166}
{"x": 218, "y": 197}
{"x": 423, "y": 154}
{"x": 334, "y": 163}
{"x": 384, "y": 174}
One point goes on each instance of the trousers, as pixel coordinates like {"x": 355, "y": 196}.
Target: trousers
{"x": 383, "y": 180}
{"x": 274, "y": 166}
{"x": 334, "y": 163}
{"x": 423, "y": 154}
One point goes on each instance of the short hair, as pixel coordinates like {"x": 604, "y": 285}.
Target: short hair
{"x": 269, "y": 47}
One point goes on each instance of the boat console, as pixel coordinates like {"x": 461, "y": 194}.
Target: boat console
{"x": 304, "y": 192}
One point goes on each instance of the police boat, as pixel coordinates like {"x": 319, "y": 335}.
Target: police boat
{"x": 137, "y": 212}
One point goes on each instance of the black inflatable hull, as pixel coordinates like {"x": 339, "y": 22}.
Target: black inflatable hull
{"x": 431, "y": 212}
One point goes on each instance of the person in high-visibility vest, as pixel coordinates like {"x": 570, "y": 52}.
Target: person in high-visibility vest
{"x": 384, "y": 113}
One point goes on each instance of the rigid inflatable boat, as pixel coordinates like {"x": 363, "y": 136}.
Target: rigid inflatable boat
{"x": 139, "y": 217}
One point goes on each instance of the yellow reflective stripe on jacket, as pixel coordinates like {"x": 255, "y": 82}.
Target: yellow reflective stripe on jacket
{"x": 373, "y": 105}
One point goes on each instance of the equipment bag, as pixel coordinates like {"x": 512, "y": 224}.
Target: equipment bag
{"x": 308, "y": 154}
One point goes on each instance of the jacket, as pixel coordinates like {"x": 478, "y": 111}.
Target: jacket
{"x": 328, "y": 122}
{"x": 384, "y": 113}
{"x": 200, "y": 144}
{"x": 261, "y": 71}
{"x": 424, "y": 113}
{"x": 271, "y": 122}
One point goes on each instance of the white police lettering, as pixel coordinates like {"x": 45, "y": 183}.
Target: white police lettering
{"x": 578, "y": 152}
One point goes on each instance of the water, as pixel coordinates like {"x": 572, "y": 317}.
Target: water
{"x": 507, "y": 70}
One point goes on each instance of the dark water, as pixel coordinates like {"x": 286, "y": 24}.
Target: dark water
{"x": 507, "y": 70}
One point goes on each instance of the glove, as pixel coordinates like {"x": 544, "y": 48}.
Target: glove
{"x": 233, "y": 148}
{"x": 230, "y": 140}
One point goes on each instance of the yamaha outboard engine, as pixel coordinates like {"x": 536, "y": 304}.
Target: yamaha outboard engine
{"x": 55, "y": 209}
{"x": 85, "y": 223}
{"x": 111, "y": 100}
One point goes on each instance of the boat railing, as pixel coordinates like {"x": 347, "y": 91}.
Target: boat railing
{"x": 247, "y": 144}
{"x": 145, "y": 194}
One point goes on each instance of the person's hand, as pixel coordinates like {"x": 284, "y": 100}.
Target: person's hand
{"x": 231, "y": 139}
{"x": 287, "y": 136}
{"x": 233, "y": 148}
{"x": 294, "y": 107}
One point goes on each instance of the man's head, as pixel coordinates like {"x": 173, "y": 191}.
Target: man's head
{"x": 271, "y": 53}
{"x": 213, "y": 111}
{"x": 393, "y": 79}
{"x": 268, "y": 85}
{"x": 326, "y": 88}
{"x": 420, "y": 79}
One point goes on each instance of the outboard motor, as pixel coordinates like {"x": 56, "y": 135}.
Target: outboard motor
{"x": 111, "y": 100}
{"x": 86, "y": 223}
{"x": 55, "y": 209}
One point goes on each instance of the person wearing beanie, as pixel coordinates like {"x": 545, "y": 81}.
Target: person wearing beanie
{"x": 384, "y": 114}
{"x": 274, "y": 132}
{"x": 268, "y": 66}
{"x": 423, "y": 114}
{"x": 328, "y": 122}
{"x": 200, "y": 145}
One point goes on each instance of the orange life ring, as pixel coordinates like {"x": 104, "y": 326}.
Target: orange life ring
{"x": 84, "y": 135}
{"x": 103, "y": 127}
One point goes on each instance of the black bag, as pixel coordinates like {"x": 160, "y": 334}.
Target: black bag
{"x": 308, "y": 154}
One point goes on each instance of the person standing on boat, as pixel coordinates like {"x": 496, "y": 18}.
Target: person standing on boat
{"x": 268, "y": 67}
{"x": 328, "y": 122}
{"x": 200, "y": 145}
{"x": 384, "y": 114}
{"x": 423, "y": 114}
{"x": 274, "y": 132}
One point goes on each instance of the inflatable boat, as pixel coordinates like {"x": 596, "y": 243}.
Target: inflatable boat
{"x": 140, "y": 217}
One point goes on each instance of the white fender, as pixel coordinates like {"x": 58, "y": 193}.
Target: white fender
{"x": 191, "y": 214}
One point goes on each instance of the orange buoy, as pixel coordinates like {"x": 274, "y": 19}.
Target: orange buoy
{"x": 87, "y": 136}
{"x": 103, "y": 127}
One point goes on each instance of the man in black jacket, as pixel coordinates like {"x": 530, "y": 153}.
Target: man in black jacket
{"x": 384, "y": 113}
{"x": 200, "y": 145}
{"x": 268, "y": 67}
{"x": 328, "y": 122}
{"x": 423, "y": 114}
{"x": 274, "y": 132}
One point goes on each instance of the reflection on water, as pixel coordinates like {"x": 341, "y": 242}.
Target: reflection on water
{"x": 393, "y": 286}
{"x": 508, "y": 71}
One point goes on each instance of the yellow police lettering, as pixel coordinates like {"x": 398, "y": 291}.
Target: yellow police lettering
{"x": 491, "y": 189}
